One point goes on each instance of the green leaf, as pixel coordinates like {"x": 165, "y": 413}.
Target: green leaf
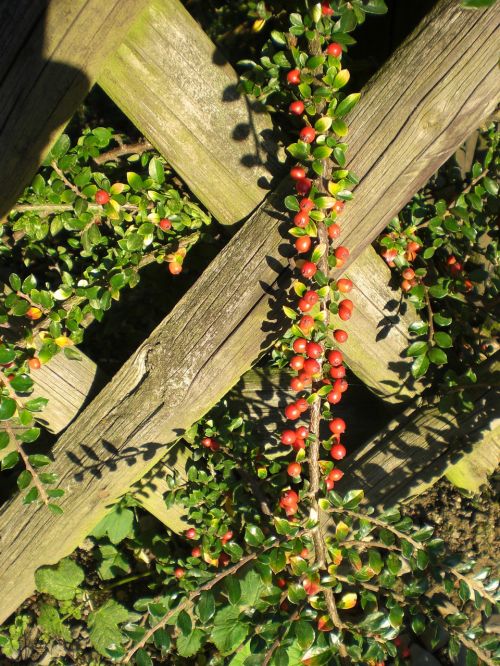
{"x": 142, "y": 658}
{"x": 277, "y": 560}
{"x": 340, "y": 127}
{"x": 184, "y": 623}
{"x": 291, "y": 203}
{"x": 7, "y": 355}
{"x": 291, "y": 314}
{"x": 417, "y": 348}
{"x": 438, "y": 291}
{"x": 315, "y": 61}
{"x": 61, "y": 147}
{"x": 418, "y": 327}
{"x": 420, "y": 366}
{"x": 39, "y": 460}
{"x": 396, "y": 616}
{"x": 117, "y": 525}
{"x": 10, "y": 460}
{"x": 156, "y": 170}
{"x": 352, "y": 499}
{"x": 323, "y": 124}
{"x": 103, "y": 625}
{"x": 254, "y": 535}
{"x": 189, "y": 645}
{"x": 228, "y": 631}
{"x": 24, "y": 480}
{"x": 299, "y": 150}
{"x": 341, "y": 80}
{"x": 134, "y": 180}
{"x": 205, "y": 608}
{"x": 61, "y": 580}
{"x": 7, "y": 408}
{"x": 233, "y": 589}
{"x": 441, "y": 320}
{"x": 443, "y": 339}
{"x": 51, "y": 624}
{"x": 437, "y": 356}
{"x": 347, "y": 104}
{"x": 305, "y": 634}
{"x": 36, "y": 405}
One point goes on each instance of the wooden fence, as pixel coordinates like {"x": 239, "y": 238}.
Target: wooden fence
{"x": 417, "y": 110}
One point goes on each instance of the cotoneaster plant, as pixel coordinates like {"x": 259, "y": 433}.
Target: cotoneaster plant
{"x": 80, "y": 234}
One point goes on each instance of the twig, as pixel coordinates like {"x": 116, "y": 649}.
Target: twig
{"x": 67, "y": 182}
{"x": 125, "y": 149}
{"x": 430, "y": 314}
{"x": 51, "y": 209}
{"x": 418, "y": 546}
{"x": 29, "y": 467}
{"x": 277, "y": 642}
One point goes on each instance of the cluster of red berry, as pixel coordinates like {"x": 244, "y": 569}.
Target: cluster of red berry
{"x": 310, "y": 360}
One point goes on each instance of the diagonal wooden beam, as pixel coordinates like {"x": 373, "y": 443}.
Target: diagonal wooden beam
{"x": 51, "y": 53}
{"x": 233, "y": 311}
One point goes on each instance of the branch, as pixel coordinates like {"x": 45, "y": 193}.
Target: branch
{"x": 67, "y": 182}
{"x": 430, "y": 314}
{"x": 128, "y": 149}
{"x": 475, "y": 585}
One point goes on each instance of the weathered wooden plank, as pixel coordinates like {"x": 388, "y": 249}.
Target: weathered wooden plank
{"x": 181, "y": 112}
{"x": 51, "y": 54}
{"x": 260, "y": 397}
{"x": 420, "y": 446}
{"x": 173, "y": 83}
{"x": 234, "y": 312}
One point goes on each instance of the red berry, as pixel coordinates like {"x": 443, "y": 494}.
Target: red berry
{"x": 406, "y": 285}
{"x": 227, "y": 537}
{"x": 468, "y": 285}
{"x": 305, "y": 378}
{"x": 297, "y": 362}
{"x": 289, "y": 498}
{"x": 303, "y": 244}
{"x": 329, "y": 483}
{"x": 300, "y": 345}
{"x": 340, "y": 385}
{"x": 337, "y": 426}
{"x": 340, "y": 335}
{"x": 306, "y": 204}
{"x": 298, "y": 444}
{"x": 34, "y": 363}
{"x": 297, "y": 173}
{"x": 314, "y": 350}
{"x": 334, "y": 50}
{"x": 175, "y": 268}
{"x": 304, "y": 306}
{"x": 206, "y": 442}
{"x": 214, "y": 446}
{"x": 179, "y": 573}
{"x": 301, "y": 220}
{"x": 333, "y": 231}
{"x": 302, "y": 405}
{"x": 165, "y": 224}
{"x": 345, "y": 313}
{"x": 190, "y": 533}
{"x": 293, "y": 77}
{"x": 196, "y": 552}
{"x": 102, "y": 197}
{"x": 302, "y": 432}
{"x": 338, "y": 207}
{"x": 311, "y": 297}
{"x": 307, "y": 134}
{"x": 311, "y": 366}
{"x": 297, "y": 108}
{"x": 338, "y": 451}
{"x": 306, "y": 324}
{"x": 335, "y": 474}
{"x": 341, "y": 253}
{"x": 292, "y": 412}
{"x": 338, "y": 372}
{"x": 344, "y": 285}
{"x": 326, "y": 10}
{"x": 303, "y": 186}
{"x": 413, "y": 246}
{"x": 224, "y": 559}
{"x": 294, "y": 469}
{"x": 310, "y": 587}
{"x": 309, "y": 269}
{"x": 346, "y": 303}
{"x": 288, "y": 437}
{"x": 281, "y": 582}
{"x": 408, "y": 273}
{"x": 334, "y": 397}
{"x": 335, "y": 358}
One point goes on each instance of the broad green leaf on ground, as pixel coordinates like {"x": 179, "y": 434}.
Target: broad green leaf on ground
{"x": 228, "y": 632}
{"x": 103, "y": 624}
{"x": 60, "y": 581}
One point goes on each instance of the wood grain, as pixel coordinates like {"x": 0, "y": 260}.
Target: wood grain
{"x": 51, "y": 55}
{"x": 212, "y": 337}
{"x": 181, "y": 92}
